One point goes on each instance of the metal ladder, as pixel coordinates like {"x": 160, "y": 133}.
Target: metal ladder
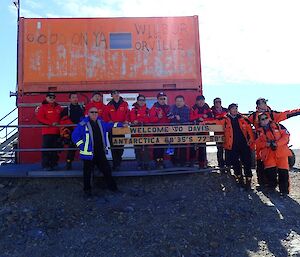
{"x": 9, "y": 138}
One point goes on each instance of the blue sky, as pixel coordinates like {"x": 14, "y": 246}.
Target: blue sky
{"x": 249, "y": 49}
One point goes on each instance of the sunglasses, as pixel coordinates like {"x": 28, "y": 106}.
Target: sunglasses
{"x": 93, "y": 112}
{"x": 143, "y": 100}
{"x": 51, "y": 97}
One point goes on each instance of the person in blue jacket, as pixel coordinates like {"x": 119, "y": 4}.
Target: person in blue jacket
{"x": 179, "y": 114}
{"x": 90, "y": 137}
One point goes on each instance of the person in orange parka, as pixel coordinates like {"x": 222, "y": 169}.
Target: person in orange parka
{"x": 238, "y": 142}
{"x": 116, "y": 111}
{"x": 49, "y": 114}
{"x": 272, "y": 145}
{"x": 262, "y": 107}
{"x": 96, "y": 101}
{"x": 139, "y": 115}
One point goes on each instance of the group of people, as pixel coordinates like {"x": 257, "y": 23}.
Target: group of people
{"x": 259, "y": 131}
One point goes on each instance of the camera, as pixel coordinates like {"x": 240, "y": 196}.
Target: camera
{"x": 170, "y": 115}
{"x": 273, "y": 145}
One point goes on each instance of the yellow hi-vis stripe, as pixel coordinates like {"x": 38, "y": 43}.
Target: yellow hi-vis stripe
{"x": 86, "y": 145}
{"x": 86, "y": 153}
{"x": 79, "y": 142}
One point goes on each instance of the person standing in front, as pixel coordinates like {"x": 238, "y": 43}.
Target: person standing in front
{"x": 272, "y": 145}
{"x": 116, "y": 111}
{"x": 180, "y": 115}
{"x": 90, "y": 137}
{"x": 139, "y": 116}
{"x": 49, "y": 114}
{"x": 200, "y": 112}
{"x": 159, "y": 114}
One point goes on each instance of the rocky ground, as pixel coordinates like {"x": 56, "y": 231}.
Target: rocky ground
{"x": 183, "y": 215}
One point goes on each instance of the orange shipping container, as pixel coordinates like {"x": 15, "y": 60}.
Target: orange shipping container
{"x": 131, "y": 53}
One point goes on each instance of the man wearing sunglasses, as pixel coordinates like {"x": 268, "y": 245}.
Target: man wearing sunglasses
{"x": 160, "y": 114}
{"x": 90, "y": 137}
{"x": 262, "y": 107}
{"x": 139, "y": 115}
{"x": 272, "y": 146}
{"x": 49, "y": 114}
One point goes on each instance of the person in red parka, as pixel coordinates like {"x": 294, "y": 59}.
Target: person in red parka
{"x": 116, "y": 111}
{"x": 49, "y": 114}
{"x": 200, "y": 112}
{"x": 96, "y": 101}
{"x": 160, "y": 114}
{"x": 219, "y": 112}
{"x": 139, "y": 115}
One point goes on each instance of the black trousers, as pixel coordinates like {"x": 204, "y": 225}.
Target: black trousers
{"x": 202, "y": 155}
{"x": 116, "y": 153}
{"x": 70, "y": 153}
{"x": 158, "y": 153}
{"x": 260, "y": 172}
{"x": 50, "y": 158}
{"x": 240, "y": 156}
{"x": 278, "y": 177}
{"x": 179, "y": 156}
{"x": 220, "y": 155}
{"x": 102, "y": 164}
{"x": 142, "y": 154}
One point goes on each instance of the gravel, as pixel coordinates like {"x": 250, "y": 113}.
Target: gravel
{"x": 183, "y": 215}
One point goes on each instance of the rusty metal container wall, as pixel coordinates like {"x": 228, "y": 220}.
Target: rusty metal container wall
{"x": 79, "y": 54}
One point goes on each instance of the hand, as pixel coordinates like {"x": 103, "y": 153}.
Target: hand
{"x": 54, "y": 123}
{"x": 135, "y": 122}
{"x": 177, "y": 117}
{"x": 159, "y": 115}
{"x": 125, "y": 124}
{"x": 268, "y": 144}
{"x": 201, "y": 120}
{"x": 205, "y": 116}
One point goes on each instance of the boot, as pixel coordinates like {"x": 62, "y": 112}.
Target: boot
{"x": 248, "y": 183}
{"x": 240, "y": 181}
{"x": 202, "y": 165}
{"x": 160, "y": 163}
{"x": 191, "y": 164}
{"x": 87, "y": 194}
{"x": 69, "y": 165}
